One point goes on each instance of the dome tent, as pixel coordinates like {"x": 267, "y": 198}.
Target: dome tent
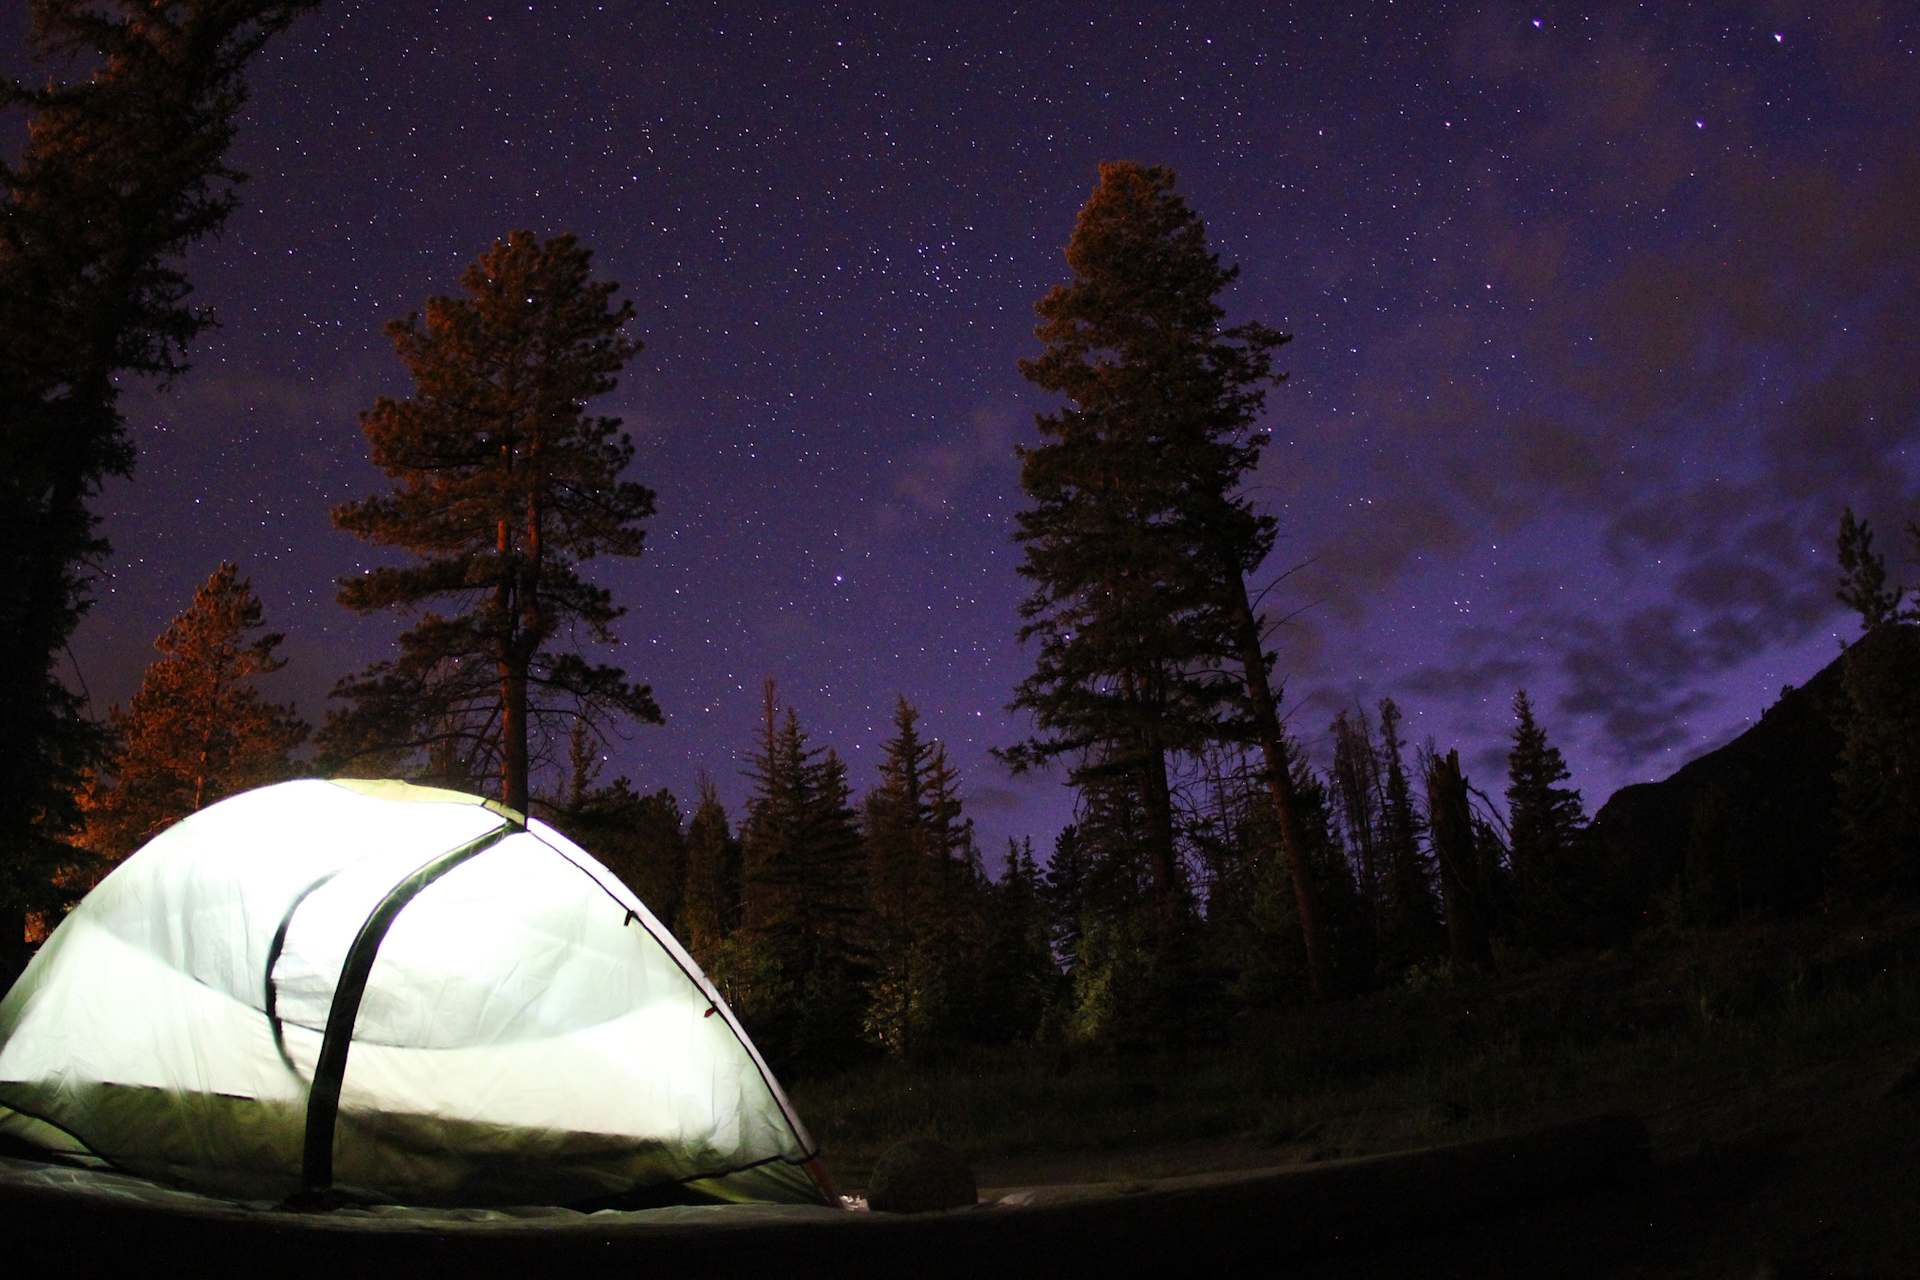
{"x": 393, "y": 991}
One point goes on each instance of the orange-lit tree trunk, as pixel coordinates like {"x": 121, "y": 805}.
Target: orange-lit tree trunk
{"x": 1279, "y": 776}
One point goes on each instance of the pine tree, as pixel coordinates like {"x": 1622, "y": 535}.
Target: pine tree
{"x": 901, "y": 888}
{"x": 123, "y": 170}
{"x": 1359, "y": 787}
{"x": 711, "y": 910}
{"x": 505, "y": 486}
{"x": 198, "y": 729}
{"x": 1545, "y": 820}
{"x": 800, "y": 961}
{"x": 1413, "y": 916}
{"x": 1863, "y": 576}
{"x": 1063, "y": 892}
{"x": 1021, "y": 975}
{"x": 1136, "y": 537}
{"x": 926, "y": 894}
{"x": 1879, "y": 770}
{"x": 638, "y": 837}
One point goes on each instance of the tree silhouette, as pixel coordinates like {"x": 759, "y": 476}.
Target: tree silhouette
{"x": 124, "y": 168}
{"x": 197, "y": 730}
{"x": 1136, "y": 537}
{"x": 1545, "y": 820}
{"x": 710, "y": 910}
{"x": 1879, "y": 769}
{"x": 1413, "y": 917}
{"x": 505, "y": 486}
{"x": 799, "y": 961}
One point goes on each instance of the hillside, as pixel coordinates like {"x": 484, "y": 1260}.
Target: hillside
{"x": 1749, "y": 822}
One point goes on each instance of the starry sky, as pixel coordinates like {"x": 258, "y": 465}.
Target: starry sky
{"x": 1600, "y": 317}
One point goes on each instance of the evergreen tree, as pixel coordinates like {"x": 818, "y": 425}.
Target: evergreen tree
{"x": 1359, "y": 787}
{"x": 1413, "y": 915}
{"x": 711, "y": 910}
{"x": 124, "y": 168}
{"x": 1125, "y": 928}
{"x": 505, "y": 486}
{"x": 1863, "y": 576}
{"x": 1021, "y": 975}
{"x": 1063, "y": 893}
{"x": 1879, "y": 771}
{"x": 198, "y": 729}
{"x": 1136, "y": 537}
{"x": 927, "y": 896}
{"x": 638, "y": 837}
{"x": 902, "y": 889}
{"x": 1545, "y": 820}
{"x": 800, "y": 962}
{"x": 1272, "y": 961}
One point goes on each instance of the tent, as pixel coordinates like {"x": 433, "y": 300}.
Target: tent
{"x": 382, "y": 990}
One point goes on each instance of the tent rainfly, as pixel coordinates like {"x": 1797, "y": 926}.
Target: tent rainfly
{"x": 376, "y": 989}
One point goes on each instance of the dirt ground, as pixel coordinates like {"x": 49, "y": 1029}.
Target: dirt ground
{"x": 1817, "y": 1174}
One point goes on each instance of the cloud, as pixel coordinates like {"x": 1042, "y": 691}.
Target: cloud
{"x": 932, "y": 479}
{"x": 983, "y": 799}
{"x": 1640, "y": 682}
{"x": 1697, "y": 339}
{"x": 1489, "y": 675}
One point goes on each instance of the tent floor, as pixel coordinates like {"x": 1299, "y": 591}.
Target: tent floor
{"x": 85, "y": 1222}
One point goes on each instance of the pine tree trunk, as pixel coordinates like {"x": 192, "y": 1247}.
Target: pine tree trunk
{"x": 30, "y": 648}
{"x": 513, "y": 733}
{"x": 1157, "y": 801}
{"x": 1266, "y": 717}
{"x": 513, "y": 679}
{"x": 1461, "y": 884}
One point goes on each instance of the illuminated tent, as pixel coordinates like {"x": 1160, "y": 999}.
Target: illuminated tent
{"x": 371, "y": 988}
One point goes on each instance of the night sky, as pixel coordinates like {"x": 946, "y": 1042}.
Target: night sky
{"x": 1600, "y": 318}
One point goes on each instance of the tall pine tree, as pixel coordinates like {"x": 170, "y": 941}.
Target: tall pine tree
{"x": 801, "y": 959}
{"x": 505, "y": 486}
{"x": 711, "y": 909}
{"x": 1545, "y": 820}
{"x": 1136, "y": 537}
{"x": 124, "y": 169}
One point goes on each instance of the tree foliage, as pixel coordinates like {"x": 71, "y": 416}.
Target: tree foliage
{"x": 1412, "y": 911}
{"x": 1879, "y": 770}
{"x": 1863, "y": 576}
{"x": 1136, "y": 537}
{"x": 198, "y": 729}
{"x": 124, "y": 168}
{"x": 1545, "y": 820}
{"x": 798, "y": 964}
{"x": 505, "y": 485}
{"x": 711, "y": 908}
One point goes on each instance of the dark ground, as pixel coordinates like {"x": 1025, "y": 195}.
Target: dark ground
{"x": 1817, "y": 1176}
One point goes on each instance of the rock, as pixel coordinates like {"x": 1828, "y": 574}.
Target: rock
{"x": 918, "y": 1176}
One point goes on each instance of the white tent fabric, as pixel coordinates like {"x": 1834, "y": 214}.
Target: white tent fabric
{"x": 528, "y": 1033}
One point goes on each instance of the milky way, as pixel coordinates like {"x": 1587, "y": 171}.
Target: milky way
{"x": 1599, "y": 322}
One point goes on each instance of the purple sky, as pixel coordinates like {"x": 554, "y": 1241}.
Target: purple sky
{"x": 1599, "y": 321}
